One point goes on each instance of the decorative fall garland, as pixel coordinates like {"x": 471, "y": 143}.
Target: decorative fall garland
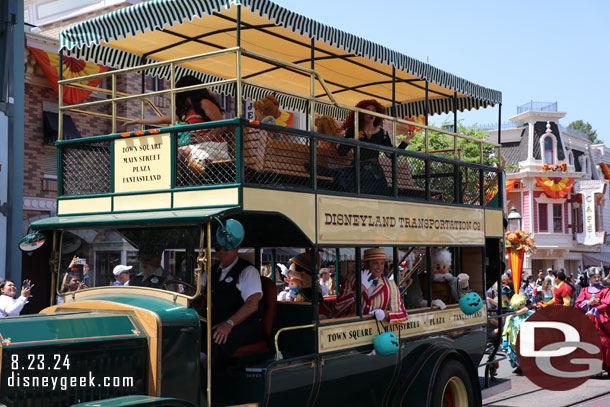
{"x": 555, "y": 167}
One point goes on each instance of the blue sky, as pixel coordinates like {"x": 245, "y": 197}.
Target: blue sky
{"x": 541, "y": 50}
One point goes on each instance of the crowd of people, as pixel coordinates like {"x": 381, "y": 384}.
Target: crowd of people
{"x": 588, "y": 292}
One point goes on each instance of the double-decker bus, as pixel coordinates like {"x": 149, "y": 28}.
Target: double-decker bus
{"x": 140, "y": 195}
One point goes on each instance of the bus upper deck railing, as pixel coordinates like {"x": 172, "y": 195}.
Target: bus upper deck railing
{"x": 117, "y": 97}
{"x": 251, "y": 154}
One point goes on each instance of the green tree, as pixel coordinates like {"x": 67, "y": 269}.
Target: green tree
{"x": 470, "y": 150}
{"x": 585, "y": 128}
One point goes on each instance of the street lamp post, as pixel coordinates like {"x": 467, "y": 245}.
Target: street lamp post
{"x": 514, "y": 220}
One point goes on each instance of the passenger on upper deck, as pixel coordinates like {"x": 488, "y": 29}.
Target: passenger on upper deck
{"x": 370, "y": 130}
{"x": 195, "y": 106}
{"x": 380, "y": 295}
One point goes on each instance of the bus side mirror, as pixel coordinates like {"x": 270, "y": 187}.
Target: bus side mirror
{"x": 31, "y": 242}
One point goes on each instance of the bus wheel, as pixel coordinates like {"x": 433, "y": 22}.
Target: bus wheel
{"x": 453, "y": 386}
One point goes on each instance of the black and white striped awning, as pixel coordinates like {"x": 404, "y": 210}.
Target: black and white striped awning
{"x": 143, "y": 33}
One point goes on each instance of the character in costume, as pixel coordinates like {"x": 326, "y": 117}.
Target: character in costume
{"x": 562, "y": 293}
{"x": 595, "y": 301}
{"x": 380, "y": 295}
{"x": 370, "y": 130}
{"x": 441, "y": 262}
{"x": 298, "y": 278}
{"x": 511, "y": 328}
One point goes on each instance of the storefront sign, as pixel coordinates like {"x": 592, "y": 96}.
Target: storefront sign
{"x": 350, "y": 335}
{"x": 142, "y": 163}
{"x": 588, "y": 189}
{"x": 357, "y": 220}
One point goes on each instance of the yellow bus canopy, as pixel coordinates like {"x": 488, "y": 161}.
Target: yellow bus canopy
{"x": 353, "y": 68}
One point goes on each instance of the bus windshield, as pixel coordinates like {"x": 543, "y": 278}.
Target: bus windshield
{"x": 163, "y": 258}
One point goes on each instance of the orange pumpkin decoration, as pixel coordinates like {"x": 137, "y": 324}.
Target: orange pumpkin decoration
{"x": 563, "y": 166}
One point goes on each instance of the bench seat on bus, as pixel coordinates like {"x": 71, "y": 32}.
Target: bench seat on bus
{"x": 403, "y": 173}
{"x": 265, "y": 154}
{"x": 269, "y": 304}
{"x": 268, "y": 155}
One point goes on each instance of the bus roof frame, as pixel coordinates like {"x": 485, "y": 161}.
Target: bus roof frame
{"x": 112, "y": 39}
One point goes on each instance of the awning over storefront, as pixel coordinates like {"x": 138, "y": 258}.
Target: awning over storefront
{"x": 595, "y": 259}
{"x": 50, "y": 121}
{"x": 155, "y": 218}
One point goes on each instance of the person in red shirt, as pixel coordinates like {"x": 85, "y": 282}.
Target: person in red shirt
{"x": 563, "y": 292}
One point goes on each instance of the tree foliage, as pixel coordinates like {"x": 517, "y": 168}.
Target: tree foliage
{"x": 585, "y": 128}
{"x": 469, "y": 150}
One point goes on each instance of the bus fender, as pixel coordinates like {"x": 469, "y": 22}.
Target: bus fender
{"x": 420, "y": 369}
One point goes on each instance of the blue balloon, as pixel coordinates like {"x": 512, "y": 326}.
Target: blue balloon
{"x": 386, "y": 344}
{"x": 471, "y": 303}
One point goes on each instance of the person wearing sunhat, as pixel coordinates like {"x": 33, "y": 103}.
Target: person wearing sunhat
{"x": 236, "y": 294}
{"x": 380, "y": 295}
{"x": 301, "y": 269}
{"x": 121, "y": 275}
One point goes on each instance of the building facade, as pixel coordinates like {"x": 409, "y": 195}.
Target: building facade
{"x": 554, "y": 181}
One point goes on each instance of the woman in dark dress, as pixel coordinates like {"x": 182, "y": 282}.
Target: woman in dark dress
{"x": 370, "y": 130}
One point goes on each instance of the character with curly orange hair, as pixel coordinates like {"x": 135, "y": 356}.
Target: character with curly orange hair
{"x": 370, "y": 130}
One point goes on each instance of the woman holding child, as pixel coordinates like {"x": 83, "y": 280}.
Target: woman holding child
{"x": 196, "y": 106}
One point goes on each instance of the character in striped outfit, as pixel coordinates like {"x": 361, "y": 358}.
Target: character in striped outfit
{"x": 380, "y": 295}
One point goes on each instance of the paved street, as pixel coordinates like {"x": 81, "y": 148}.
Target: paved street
{"x": 523, "y": 392}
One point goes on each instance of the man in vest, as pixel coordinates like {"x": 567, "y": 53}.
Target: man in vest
{"x": 152, "y": 274}
{"x": 236, "y": 294}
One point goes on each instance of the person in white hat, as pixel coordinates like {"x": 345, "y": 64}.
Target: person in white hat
{"x": 380, "y": 295}
{"x": 121, "y": 274}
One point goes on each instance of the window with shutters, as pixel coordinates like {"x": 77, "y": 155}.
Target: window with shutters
{"x": 50, "y": 162}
